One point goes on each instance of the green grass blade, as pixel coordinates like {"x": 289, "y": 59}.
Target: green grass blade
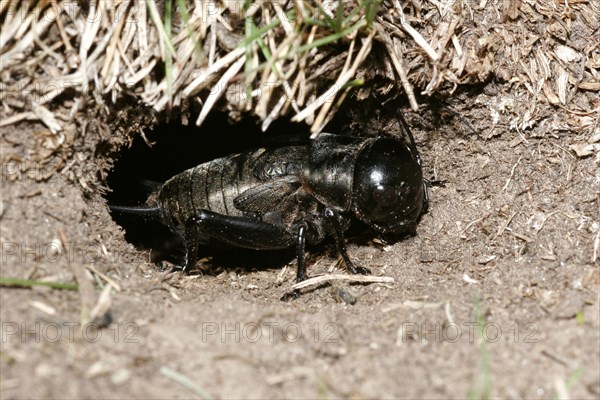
{"x": 4, "y": 281}
{"x": 333, "y": 37}
{"x": 574, "y": 378}
{"x": 329, "y": 22}
{"x": 186, "y": 20}
{"x": 249, "y": 75}
{"x": 372, "y": 7}
{"x": 354, "y": 83}
{"x": 155, "y": 18}
{"x": 339, "y": 16}
{"x": 259, "y": 32}
{"x": 354, "y": 12}
{"x": 482, "y": 389}
{"x": 185, "y": 381}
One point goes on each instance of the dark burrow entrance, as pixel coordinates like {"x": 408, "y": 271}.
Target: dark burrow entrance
{"x": 140, "y": 169}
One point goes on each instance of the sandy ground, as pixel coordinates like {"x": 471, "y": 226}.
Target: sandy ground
{"x": 496, "y": 296}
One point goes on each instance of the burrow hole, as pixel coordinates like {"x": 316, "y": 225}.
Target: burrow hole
{"x": 175, "y": 148}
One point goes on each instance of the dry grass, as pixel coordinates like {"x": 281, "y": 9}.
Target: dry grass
{"x": 317, "y": 280}
{"x": 292, "y": 58}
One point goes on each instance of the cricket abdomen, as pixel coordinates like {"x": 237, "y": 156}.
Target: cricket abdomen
{"x": 213, "y": 186}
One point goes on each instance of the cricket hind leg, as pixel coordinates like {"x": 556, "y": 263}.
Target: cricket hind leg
{"x": 235, "y": 231}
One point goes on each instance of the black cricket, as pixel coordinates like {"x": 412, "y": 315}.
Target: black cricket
{"x": 278, "y": 197}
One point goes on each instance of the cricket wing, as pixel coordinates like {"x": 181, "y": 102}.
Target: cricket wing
{"x": 267, "y": 197}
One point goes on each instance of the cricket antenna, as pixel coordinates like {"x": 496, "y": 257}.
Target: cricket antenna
{"x": 413, "y": 144}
